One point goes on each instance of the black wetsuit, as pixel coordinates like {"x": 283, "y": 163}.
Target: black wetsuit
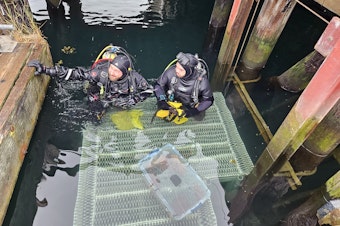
{"x": 172, "y": 88}
{"x": 124, "y": 93}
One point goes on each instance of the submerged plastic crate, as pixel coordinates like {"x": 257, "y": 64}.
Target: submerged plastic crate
{"x": 112, "y": 188}
{"x": 174, "y": 181}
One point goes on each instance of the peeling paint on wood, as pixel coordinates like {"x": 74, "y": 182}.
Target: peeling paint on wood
{"x": 329, "y": 37}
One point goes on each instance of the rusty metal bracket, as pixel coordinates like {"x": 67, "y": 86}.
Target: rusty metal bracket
{"x": 288, "y": 171}
{"x": 292, "y": 176}
{"x": 259, "y": 121}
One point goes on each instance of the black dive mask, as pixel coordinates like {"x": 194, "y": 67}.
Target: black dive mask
{"x": 188, "y": 62}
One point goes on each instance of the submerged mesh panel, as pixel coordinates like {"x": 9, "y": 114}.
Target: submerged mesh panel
{"x": 112, "y": 190}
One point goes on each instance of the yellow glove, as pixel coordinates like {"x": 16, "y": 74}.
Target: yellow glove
{"x": 174, "y": 114}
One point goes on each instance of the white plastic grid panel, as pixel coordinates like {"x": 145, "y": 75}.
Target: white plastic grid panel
{"x": 111, "y": 189}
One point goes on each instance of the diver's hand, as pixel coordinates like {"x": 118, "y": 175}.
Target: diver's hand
{"x": 163, "y": 105}
{"x": 39, "y": 68}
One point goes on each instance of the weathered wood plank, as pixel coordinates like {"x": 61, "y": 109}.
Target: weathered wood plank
{"x": 18, "y": 118}
{"x": 10, "y": 64}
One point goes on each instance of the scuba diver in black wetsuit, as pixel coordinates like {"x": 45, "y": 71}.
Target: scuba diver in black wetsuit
{"x": 186, "y": 82}
{"x": 112, "y": 80}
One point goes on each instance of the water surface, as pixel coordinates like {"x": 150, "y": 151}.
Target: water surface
{"x": 153, "y": 32}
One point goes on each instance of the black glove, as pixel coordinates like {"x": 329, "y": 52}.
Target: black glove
{"x": 93, "y": 89}
{"x": 162, "y": 104}
{"x": 96, "y": 110}
{"x": 191, "y": 112}
{"x": 96, "y": 106}
{"x": 39, "y": 68}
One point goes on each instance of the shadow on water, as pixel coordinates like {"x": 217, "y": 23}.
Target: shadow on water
{"x": 153, "y": 33}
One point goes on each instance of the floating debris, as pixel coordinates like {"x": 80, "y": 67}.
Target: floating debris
{"x": 68, "y": 50}
{"x": 233, "y": 161}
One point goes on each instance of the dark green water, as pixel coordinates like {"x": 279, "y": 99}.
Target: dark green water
{"x": 153, "y": 37}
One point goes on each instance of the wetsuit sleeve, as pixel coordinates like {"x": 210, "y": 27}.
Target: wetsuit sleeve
{"x": 206, "y": 98}
{"x": 65, "y": 73}
{"x": 144, "y": 89}
{"x": 162, "y": 84}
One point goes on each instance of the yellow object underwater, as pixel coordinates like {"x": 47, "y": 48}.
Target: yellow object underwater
{"x": 170, "y": 116}
{"x": 126, "y": 120}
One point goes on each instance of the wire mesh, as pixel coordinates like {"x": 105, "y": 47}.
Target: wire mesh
{"x": 111, "y": 188}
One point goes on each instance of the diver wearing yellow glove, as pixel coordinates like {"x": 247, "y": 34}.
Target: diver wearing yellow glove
{"x": 185, "y": 83}
{"x": 173, "y": 113}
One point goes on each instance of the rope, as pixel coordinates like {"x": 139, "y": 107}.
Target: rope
{"x": 323, "y": 195}
{"x": 315, "y": 154}
{"x": 310, "y": 10}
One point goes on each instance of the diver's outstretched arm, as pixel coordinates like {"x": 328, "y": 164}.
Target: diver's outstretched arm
{"x": 60, "y": 72}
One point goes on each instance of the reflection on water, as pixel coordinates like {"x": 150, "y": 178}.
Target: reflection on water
{"x": 60, "y": 168}
{"x": 113, "y": 13}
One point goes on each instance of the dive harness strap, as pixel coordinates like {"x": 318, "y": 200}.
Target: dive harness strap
{"x": 195, "y": 91}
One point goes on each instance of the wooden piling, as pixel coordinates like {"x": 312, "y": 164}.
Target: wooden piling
{"x": 267, "y": 29}
{"x": 320, "y": 144}
{"x": 217, "y": 24}
{"x": 319, "y": 97}
{"x": 218, "y": 21}
{"x": 22, "y": 97}
{"x": 296, "y": 78}
{"x": 232, "y": 36}
{"x": 326, "y": 137}
{"x": 305, "y": 214}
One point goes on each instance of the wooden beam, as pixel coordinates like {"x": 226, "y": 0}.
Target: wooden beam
{"x": 332, "y": 5}
{"x": 19, "y": 113}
